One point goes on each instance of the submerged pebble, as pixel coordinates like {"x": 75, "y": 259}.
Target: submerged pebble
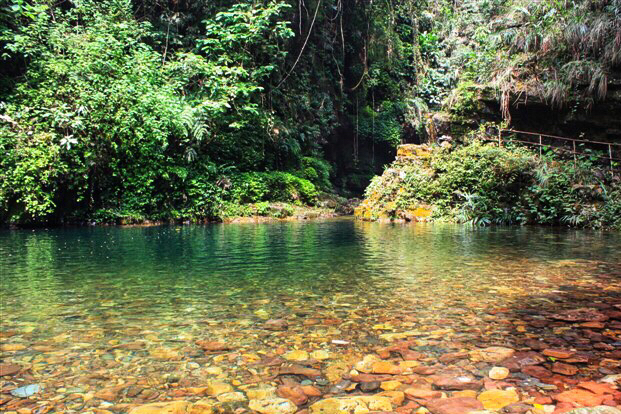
{"x": 493, "y": 329}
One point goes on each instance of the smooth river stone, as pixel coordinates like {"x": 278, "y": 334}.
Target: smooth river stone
{"x": 347, "y": 405}
{"x": 273, "y": 406}
{"x": 498, "y": 373}
{"x": 9, "y": 369}
{"x": 456, "y": 405}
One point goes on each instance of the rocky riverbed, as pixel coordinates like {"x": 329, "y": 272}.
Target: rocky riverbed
{"x": 545, "y": 361}
{"x": 497, "y": 334}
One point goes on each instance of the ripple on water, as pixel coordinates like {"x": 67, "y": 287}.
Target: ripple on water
{"x": 99, "y": 306}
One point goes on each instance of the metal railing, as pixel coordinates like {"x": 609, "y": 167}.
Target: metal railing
{"x": 544, "y": 140}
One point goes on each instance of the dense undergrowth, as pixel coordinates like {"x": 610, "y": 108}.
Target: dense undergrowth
{"x": 108, "y": 123}
{"x": 189, "y": 110}
{"x": 143, "y": 109}
{"x": 482, "y": 184}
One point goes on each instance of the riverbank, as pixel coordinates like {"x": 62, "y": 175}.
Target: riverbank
{"x": 481, "y": 184}
{"x": 326, "y": 206}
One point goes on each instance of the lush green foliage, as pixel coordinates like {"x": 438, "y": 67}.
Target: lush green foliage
{"x": 129, "y": 108}
{"x": 104, "y": 122}
{"x": 481, "y": 184}
{"x": 561, "y": 52}
{"x": 141, "y": 109}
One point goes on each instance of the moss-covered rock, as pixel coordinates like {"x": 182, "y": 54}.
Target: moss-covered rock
{"x": 481, "y": 183}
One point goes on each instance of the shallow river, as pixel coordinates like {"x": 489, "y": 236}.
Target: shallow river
{"x": 85, "y": 311}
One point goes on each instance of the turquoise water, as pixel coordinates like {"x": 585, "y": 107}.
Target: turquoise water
{"x": 212, "y": 271}
{"x": 70, "y": 294}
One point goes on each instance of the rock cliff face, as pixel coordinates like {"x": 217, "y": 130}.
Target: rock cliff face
{"x": 530, "y": 112}
{"x": 602, "y": 123}
{"x": 379, "y": 203}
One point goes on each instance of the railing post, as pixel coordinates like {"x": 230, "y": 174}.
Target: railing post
{"x": 540, "y": 146}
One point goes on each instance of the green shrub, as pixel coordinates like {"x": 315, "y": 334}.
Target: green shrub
{"x": 317, "y": 171}
{"x": 464, "y": 100}
{"x": 482, "y": 184}
{"x": 253, "y": 187}
{"x": 382, "y": 124}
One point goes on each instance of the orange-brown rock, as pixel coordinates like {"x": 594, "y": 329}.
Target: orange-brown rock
{"x": 493, "y": 354}
{"x": 422, "y": 394}
{"x": 276, "y": 325}
{"x": 408, "y": 408}
{"x": 422, "y": 370}
{"x": 537, "y": 372}
{"x": 456, "y": 382}
{"x": 497, "y": 399}
{"x": 458, "y": 405}
{"x": 299, "y": 370}
{"x": 396, "y": 397}
{"x": 564, "y": 369}
{"x": 452, "y": 357}
{"x": 593, "y": 325}
{"x": 597, "y": 387}
{"x": 311, "y": 391}
{"x": 175, "y": 407}
{"x": 580, "y": 397}
{"x": 108, "y": 394}
{"x": 293, "y": 394}
{"x": 465, "y": 393}
{"x": 9, "y": 369}
{"x": 332, "y": 321}
{"x": 558, "y": 353}
{"x": 581, "y": 315}
{"x": 385, "y": 367}
{"x": 370, "y": 378}
{"x": 12, "y": 347}
{"x": 213, "y": 346}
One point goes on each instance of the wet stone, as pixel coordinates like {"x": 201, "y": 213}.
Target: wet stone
{"x": 580, "y": 397}
{"x": 580, "y": 315}
{"x": 456, "y": 382}
{"x": 273, "y": 406}
{"x": 458, "y": 405}
{"x": 558, "y": 353}
{"x": 276, "y": 325}
{"x": 296, "y": 355}
{"x": 416, "y": 344}
{"x": 494, "y": 354}
{"x": 339, "y": 388}
{"x": 351, "y": 405}
{"x": 385, "y": 367}
{"x": 213, "y": 346}
{"x": 517, "y": 409}
{"x": 231, "y": 397}
{"x": 9, "y": 369}
{"x": 564, "y": 369}
{"x": 422, "y": 394}
{"x": 595, "y": 410}
{"x": 498, "y": 373}
{"x": 299, "y": 370}
{"x": 261, "y": 392}
{"x": 311, "y": 391}
{"x": 537, "y": 372}
{"x": 216, "y": 388}
{"x": 496, "y": 399}
{"x": 295, "y": 394}
{"x": 369, "y": 386}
